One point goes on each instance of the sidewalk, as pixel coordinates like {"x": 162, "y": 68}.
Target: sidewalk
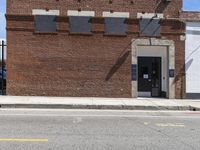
{"x": 98, "y": 103}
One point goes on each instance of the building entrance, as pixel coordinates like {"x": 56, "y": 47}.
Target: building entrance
{"x": 149, "y": 77}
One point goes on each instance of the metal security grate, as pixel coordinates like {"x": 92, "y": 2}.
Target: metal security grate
{"x": 80, "y": 24}
{"x": 149, "y": 27}
{"x": 115, "y": 26}
{"x": 45, "y": 23}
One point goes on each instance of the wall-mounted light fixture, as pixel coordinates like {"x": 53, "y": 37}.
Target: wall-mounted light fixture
{"x": 132, "y": 2}
{"x": 167, "y": 0}
{"x": 79, "y": 9}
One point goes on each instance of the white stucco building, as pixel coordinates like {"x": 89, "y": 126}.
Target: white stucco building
{"x": 192, "y": 54}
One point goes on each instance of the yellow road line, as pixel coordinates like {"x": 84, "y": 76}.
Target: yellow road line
{"x": 23, "y": 140}
{"x": 179, "y": 125}
{"x": 146, "y": 123}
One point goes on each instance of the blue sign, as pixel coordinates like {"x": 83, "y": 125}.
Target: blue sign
{"x": 134, "y": 72}
{"x": 171, "y": 73}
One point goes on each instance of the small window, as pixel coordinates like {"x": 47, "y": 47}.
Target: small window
{"x": 149, "y": 27}
{"x": 115, "y": 26}
{"x": 80, "y": 24}
{"x": 45, "y": 23}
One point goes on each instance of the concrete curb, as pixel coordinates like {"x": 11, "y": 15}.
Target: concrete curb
{"x": 98, "y": 103}
{"x": 103, "y": 107}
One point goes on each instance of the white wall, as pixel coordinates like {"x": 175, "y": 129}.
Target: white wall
{"x": 45, "y": 12}
{"x": 157, "y": 51}
{"x": 192, "y": 57}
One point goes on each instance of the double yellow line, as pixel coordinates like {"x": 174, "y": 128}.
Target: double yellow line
{"x": 22, "y": 140}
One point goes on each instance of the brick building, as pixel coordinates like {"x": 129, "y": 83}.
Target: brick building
{"x": 100, "y": 48}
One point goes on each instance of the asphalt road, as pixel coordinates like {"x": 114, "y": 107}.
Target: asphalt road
{"x": 22, "y": 129}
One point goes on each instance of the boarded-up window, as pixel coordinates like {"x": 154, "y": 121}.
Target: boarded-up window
{"x": 80, "y": 24}
{"x": 149, "y": 27}
{"x": 45, "y": 23}
{"x": 115, "y": 26}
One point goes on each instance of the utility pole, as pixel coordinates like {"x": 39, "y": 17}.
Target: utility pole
{"x": 2, "y": 66}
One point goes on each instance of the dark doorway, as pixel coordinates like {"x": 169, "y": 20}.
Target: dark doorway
{"x": 149, "y": 75}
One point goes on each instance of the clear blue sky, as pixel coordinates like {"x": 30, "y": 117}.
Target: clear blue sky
{"x": 192, "y": 5}
{"x": 2, "y": 19}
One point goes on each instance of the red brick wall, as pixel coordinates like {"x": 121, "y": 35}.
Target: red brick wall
{"x": 190, "y": 16}
{"x": 80, "y": 65}
{"x": 170, "y": 9}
